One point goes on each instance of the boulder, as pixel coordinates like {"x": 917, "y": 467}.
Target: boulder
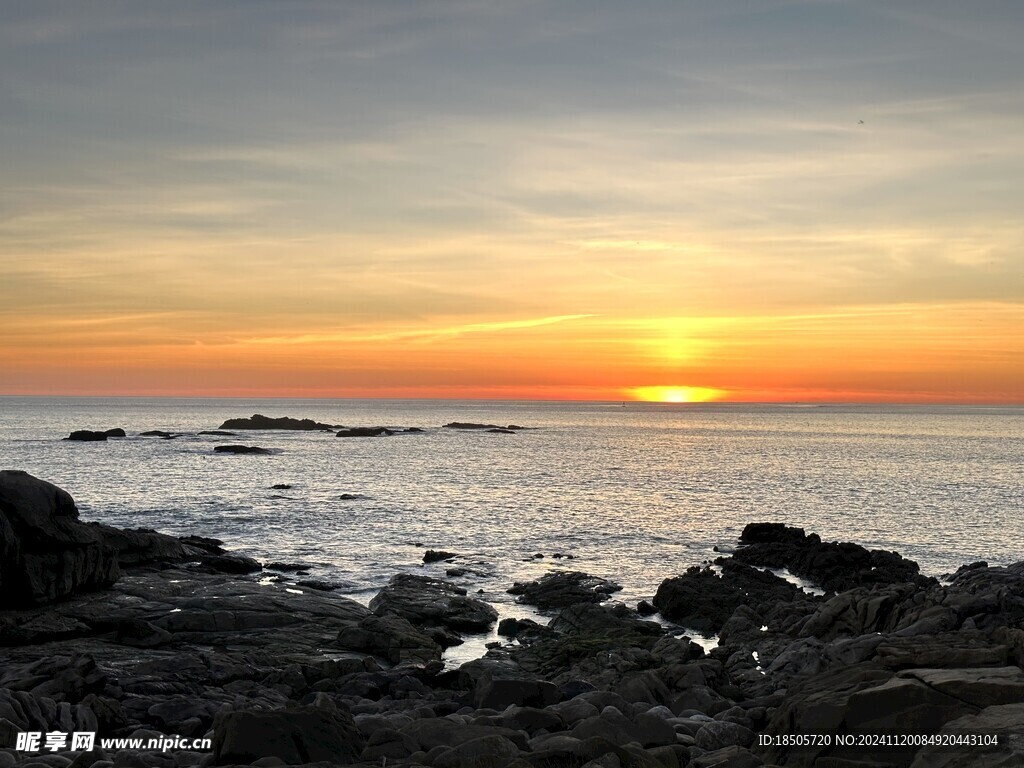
{"x": 1003, "y": 721}
{"x": 560, "y": 589}
{"x": 425, "y": 601}
{"x": 390, "y": 637}
{"x": 87, "y": 435}
{"x": 437, "y": 555}
{"x": 484, "y": 752}
{"x": 46, "y": 553}
{"x": 140, "y": 545}
{"x": 833, "y": 565}
{"x": 864, "y": 699}
{"x": 259, "y": 421}
{"x": 500, "y": 693}
{"x": 231, "y": 563}
{"x": 432, "y": 732}
{"x": 240, "y": 449}
{"x": 703, "y": 600}
{"x": 471, "y": 425}
{"x": 295, "y": 736}
{"x": 364, "y": 432}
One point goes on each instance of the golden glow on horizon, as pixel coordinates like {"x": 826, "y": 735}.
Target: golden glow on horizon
{"x": 902, "y": 353}
{"x": 676, "y": 394}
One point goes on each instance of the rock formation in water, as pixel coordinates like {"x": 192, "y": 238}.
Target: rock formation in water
{"x": 258, "y": 421}
{"x": 483, "y": 427}
{"x": 183, "y": 643}
{"x": 241, "y": 449}
{"x": 89, "y": 435}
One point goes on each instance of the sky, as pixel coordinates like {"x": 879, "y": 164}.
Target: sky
{"x": 738, "y": 200}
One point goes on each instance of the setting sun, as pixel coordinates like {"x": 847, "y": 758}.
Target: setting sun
{"x": 676, "y": 394}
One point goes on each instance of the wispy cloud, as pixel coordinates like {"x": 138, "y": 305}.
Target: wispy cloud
{"x": 417, "y": 335}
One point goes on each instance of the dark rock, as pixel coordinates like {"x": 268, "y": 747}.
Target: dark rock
{"x": 590, "y": 619}
{"x": 139, "y": 546}
{"x": 980, "y": 564}
{"x": 281, "y": 487}
{"x": 365, "y": 432}
{"x": 580, "y": 641}
{"x": 501, "y": 431}
{"x": 392, "y": 638}
{"x": 413, "y": 429}
{"x": 228, "y": 563}
{"x": 500, "y": 693}
{"x": 508, "y": 627}
{"x": 139, "y": 633}
{"x": 559, "y": 589}
{"x": 219, "y": 432}
{"x": 772, "y": 533}
{"x": 258, "y": 421}
{"x": 286, "y": 567}
{"x": 46, "y": 553}
{"x": 349, "y": 497}
{"x": 444, "y": 637}
{"x": 157, "y": 433}
{"x": 645, "y": 608}
{"x": 436, "y": 555}
{"x": 203, "y": 543}
{"x": 240, "y": 449}
{"x": 1002, "y": 721}
{"x": 321, "y": 586}
{"x": 834, "y": 566}
{"x": 430, "y": 733}
{"x": 426, "y": 601}
{"x": 484, "y": 752}
{"x": 863, "y": 699}
{"x": 470, "y": 425}
{"x": 90, "y": 435}
{"x": 295, "y": 736}
{"x": 385, "y": 743}
{"x": 87, "y": 435}
{"x": 702, "y": 600}
{"x": 741, "y": 757}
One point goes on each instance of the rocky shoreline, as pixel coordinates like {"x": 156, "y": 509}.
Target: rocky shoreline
{"x": 134, "y": 633}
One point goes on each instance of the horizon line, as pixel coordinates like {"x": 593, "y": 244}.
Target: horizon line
{"x": 705, "y": 403}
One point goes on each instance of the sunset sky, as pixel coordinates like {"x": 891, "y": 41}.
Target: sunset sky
{"x": 737, "y": 200}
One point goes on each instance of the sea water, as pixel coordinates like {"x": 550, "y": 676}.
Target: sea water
{"x": 634, "y": 492}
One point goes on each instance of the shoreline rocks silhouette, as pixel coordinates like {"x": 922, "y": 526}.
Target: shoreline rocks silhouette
{"x": 259, "y": 421}
{"x": 133, "y": 633}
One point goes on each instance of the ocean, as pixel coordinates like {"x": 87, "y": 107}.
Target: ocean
{"x": 634, "y": 492}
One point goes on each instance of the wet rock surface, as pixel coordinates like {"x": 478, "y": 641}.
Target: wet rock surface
{"x": 429, "y": 602}
{"x": 835, "y": 566}
{"x": 559, "y": 589}
{"x": 170, "y": 643}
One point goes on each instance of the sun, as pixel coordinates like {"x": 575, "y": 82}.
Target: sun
{"x": 675, "y": 394}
